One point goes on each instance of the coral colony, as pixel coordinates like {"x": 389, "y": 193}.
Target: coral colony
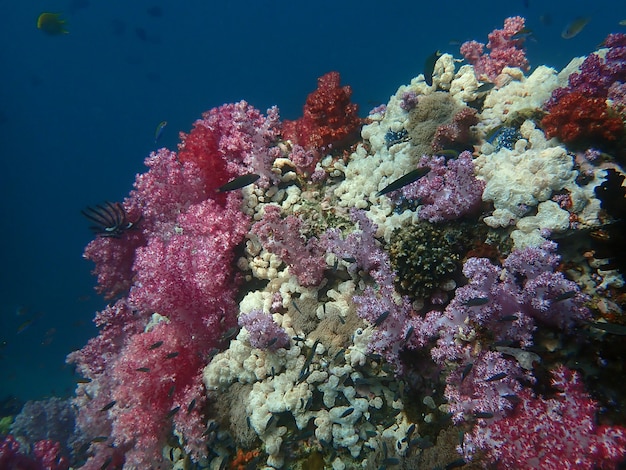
{"x": 425, "y": 288}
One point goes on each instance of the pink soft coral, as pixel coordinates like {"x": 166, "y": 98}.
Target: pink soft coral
{"x": 175, "y": 272}
{"x": 506, "y": 51}
{"x": 552, "y": 433}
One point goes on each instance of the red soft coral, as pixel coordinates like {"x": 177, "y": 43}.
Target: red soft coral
{"x": 329, "y": 118}
{"x": 577, "y": 117}
{"x": 552, "y": 434}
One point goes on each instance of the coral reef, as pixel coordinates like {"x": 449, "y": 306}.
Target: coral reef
{"x": 310, "y": 320}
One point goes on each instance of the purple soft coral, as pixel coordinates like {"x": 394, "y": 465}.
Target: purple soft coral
{"x": 450, "y": 190}
{"x": 264, "y": 332}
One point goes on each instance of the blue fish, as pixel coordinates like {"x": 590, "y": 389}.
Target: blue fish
{"x": 159, "y": 131}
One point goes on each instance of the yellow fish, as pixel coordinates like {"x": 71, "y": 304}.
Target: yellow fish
{"x": 52, "y": 24}
{"x": 575, "y": 27}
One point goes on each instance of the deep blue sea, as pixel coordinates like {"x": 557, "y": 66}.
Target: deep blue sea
{"x": 78, "y": 114}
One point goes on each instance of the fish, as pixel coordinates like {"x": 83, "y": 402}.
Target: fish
{"x": 612, "y": 328}
{"x": 99, "y": 439}
{"x": 191, "y": 406}
{"x": 348, "y": 412}
{"x": 156, "y": 345}
{"x": 25, "y": 325}
{"x": 485, "y": 87}
{"x": 522, "y": 34}
{"x": 455, "y": 464}
{"x": 172, "y": 412}
{"x": 51, "y": 24}
{"x": 429, "y": 66}
{"x": 565, "y": 295}
{"x": 508, "y": 318}
{"x": 483, "y": 414}
{"x": 108, "y": 406}
{"x": 82, "y": 380}
{"x": 575, "y": 27}
{"x": 381, "y": 318}
{"x": 239, "y": 182}
{"x": 408, "y": 333}
{"x": 622, "y": 23}
{"x": 447, "y": 153}
{"x": 409, "y": 178}
{"x": 492, "y": 134}
{"x": 170, "y": 392}
{"x": 171, "y": 355}
{"x": 495, "y": 377}
{"x": 142, "y": 369}
{"x": 421, "y": 442}
{"x": 159, "y": 131}
{"x": 476, "y": 302}
{"x": 466, "y": 370}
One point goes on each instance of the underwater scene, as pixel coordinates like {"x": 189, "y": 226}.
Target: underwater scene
{"x": 432, "y": 278}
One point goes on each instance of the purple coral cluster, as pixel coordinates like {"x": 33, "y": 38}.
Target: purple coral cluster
{"x": 597, "y": 74}
{"x": 381, "y": 306}
{"x": 450, "y": 190}
{"x": 264, "y": 332}
{"x": 284, "y": 237}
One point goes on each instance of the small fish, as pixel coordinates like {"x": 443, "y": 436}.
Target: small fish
{"x": 172, "y": 412}
{"x": 230, "y": 333}
{"x": 492, "y": 134}
{"x": 410, "y": 430}
{"x": 239, "y": 182}
{"x": 171, "y": 355}
{"x": 483, "y": 414}
{"x": 295, "y": 305}
{"x": 25, "y": 325}
{"x": 611, "y": 328}
{"x": 170, "y": 392}
{"x": 429, "y": 66}
{"x": 52, "y": 24}
{"x": 466, "y": 370}
{"x": 447, "y": 153}
{"x": 565, "y": 295}
{"x": 511, "y": 397}
{"x": 304, "y": 373}
{"x": 106, "y": 463}
{"x": 82, "y": 380}
{"x": 143, "y": 369}
{"x": 476, "y": 302}
{"x": 409, "y": 178}
{"x": 159, "y": 131}
{"x": 622, "y": 23}
{"x": 455, "y": 464}
{"x": 108, "y": 406}
{"x": 408, "y": 333}
{"x": 575, "y": 27}
{"x": 496, "y": 377}
{"x": 522, "y": 34}
{"x": 507, "y": 318}
{"x": 348, "y": 412}
{"x": 99, "y": 439}
{"x": 485, "y": 87}
{"x": 381, "y": 318}
{"x": 191, "y": 406}
{"x": 421, "y": 443}
{"x": 158, "y": 344}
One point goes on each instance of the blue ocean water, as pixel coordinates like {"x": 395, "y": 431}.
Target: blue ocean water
{"x": 78, "y": 114}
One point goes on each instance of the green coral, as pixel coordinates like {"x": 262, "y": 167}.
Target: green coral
{"x": 425, "y": 255}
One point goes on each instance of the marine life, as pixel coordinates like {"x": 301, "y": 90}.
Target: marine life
{"x": 156, "y": 345}
{"x": 409, "y": 178}
{"x": 477, "y": 301}
{"x": 108, "y": 406}
{"x": 429, "y": 66}
{"x": 52, "y": 24}
{"x": 575, "y": 27}
{"x": 495, "y": 377}
{"x": 239, "y": 182}
{"x": 110, "y": 219}
{"x": 159, "y": 131}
